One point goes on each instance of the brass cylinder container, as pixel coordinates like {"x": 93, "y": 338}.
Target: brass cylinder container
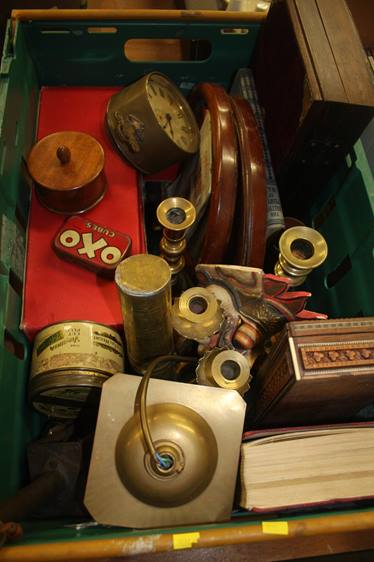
{"x": 301, "y": 249}
{"x": 145, "y": 289}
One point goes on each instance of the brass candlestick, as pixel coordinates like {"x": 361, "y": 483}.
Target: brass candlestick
{"x": 176, "y": 215}
{"x": 301, "y": 249}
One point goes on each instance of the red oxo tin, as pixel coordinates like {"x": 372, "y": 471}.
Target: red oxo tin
{"x": 92, "y": 245}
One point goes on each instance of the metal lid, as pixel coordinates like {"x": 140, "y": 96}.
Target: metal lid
{"x": 65, "y": 160}
{"x": 143, "y": 274}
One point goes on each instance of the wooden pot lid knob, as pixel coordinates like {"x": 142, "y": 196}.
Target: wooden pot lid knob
{"x": 63, "y": 154}
{"x": 68, "y": 170}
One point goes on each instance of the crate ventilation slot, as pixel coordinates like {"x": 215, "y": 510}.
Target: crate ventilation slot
{"x": 334, "y": 276}
{"x": 55, "y": 31}
{"x": 13, "y": 346}
{"x": 102, "y": 30}
{"x": 167, "y": 49}
{"x": 234, "y": 31}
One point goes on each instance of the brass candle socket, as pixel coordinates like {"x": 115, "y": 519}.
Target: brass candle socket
{"x": 225, "y": 368}
{"x": 301, "y": 249}
{"x": 196, "y": 315}
{"x": 176, "y": 215}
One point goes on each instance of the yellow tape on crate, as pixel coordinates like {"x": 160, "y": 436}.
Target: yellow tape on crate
{"x": 185, "y": 540}
{"x": 275, "y": 527}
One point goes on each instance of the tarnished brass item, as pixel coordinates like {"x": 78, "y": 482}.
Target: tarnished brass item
{"x": 144, "y": 284}
{"x": 176, "y": 215}
{"x": 152, "y": 123}
{"x": 185, "y": 482}
{"x": 196, "y": 315}
{"x": 225, "y": 368}
{"x": 301, "y": 249}
{"x": 199, "y": 428}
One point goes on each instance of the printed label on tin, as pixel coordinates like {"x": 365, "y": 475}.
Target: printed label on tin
{"x": 92, "y": 245}
{"x": 77, "y": 345}
{"x": 71, "y": 393}
{"x": 58, "y": 412}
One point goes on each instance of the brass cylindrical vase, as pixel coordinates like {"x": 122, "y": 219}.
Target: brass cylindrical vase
{"x": 145, "y": 289}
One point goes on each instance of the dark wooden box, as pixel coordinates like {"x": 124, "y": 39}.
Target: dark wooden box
{"x": 316, "y": 86}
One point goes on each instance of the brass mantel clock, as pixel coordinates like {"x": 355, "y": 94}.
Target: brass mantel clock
{"x": 152, "y": 123}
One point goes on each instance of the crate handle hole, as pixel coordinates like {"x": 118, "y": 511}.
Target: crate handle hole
{"x": 102, "y": 30}
{"x": 55, "y": 31}
{"x": 165, "y": 50}
{"x": 234, "y": 31}
{"x": 16, "y": 283}
{"x": 334, "y": 276}
{"x": 13, "y": 346}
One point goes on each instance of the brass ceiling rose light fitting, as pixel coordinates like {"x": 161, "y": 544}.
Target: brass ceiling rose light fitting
{"x": 176, "y": 215}
{"x": 152, "y": 124}
{"x": 301, "y": 249}
{"x": 196, "y": 314}
{"x": 225, "y": 368}
{"x": 171, "y": 461}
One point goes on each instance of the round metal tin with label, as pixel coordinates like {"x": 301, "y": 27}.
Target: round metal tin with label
{"x": 70, "y": 362}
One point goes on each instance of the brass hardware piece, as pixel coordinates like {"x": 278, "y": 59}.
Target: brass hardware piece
{"x": 225, "y": 368}
{"x": 198, "y": 428}
{"x": 180, "y": 483}
{"x": 144, "y": 285}
{"x": 301, "y": 249}
{"x": 196, "y": 315}
{"x": 176, "y": 215}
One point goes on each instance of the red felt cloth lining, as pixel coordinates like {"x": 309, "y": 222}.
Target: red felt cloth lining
{"x": 56, "y": 290}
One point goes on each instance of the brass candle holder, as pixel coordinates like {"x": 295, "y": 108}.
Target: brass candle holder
{"x": 301, "y": 249}
{"x": 196, "y": 315}
{"x": 225, "y": 368}
{"x": 176, "y": 215}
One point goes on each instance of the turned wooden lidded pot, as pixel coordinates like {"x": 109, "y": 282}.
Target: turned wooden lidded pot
{"x": 68, "y": 171}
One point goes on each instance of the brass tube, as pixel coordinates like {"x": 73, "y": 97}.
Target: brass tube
{"x": 142, "y": 393}
{"x": 144, "y": 285}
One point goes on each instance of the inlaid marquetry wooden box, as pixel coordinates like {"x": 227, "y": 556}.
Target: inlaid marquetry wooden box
{"x": 320, "y": 371}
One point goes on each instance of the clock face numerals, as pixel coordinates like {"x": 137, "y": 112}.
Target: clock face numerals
{"x": 173, "y": 113}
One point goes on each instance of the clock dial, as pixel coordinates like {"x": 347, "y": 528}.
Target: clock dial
{"x": 173, "y": 113}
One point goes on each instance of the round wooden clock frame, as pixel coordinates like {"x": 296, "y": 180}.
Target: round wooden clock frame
{"x": 235, "y": 227}
{"x": 214, "y": 99}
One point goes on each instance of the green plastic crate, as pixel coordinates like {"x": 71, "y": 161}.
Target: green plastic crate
{"x": 344, "y": 214}
{"x": 50, "y": 51}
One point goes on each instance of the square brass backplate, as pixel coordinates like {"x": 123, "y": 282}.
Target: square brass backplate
{"x": 198, "y": 427}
